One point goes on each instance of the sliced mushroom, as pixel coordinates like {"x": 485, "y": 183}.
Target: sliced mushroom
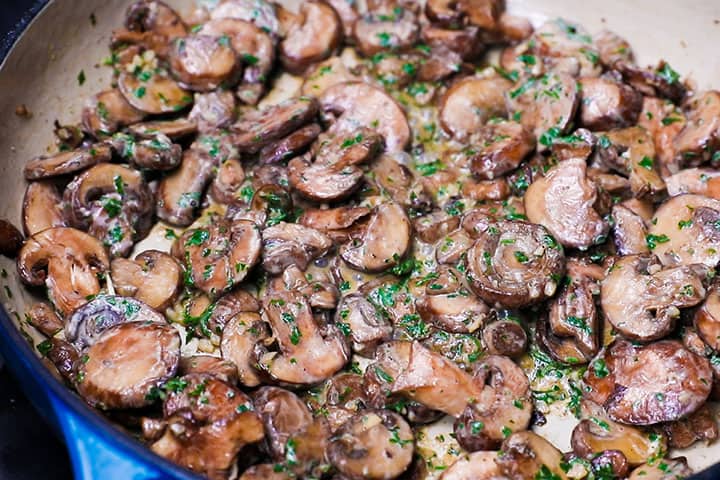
{"x": 528, "y": 455}
{"x": 176, "y": 129}
{"x": 107, "y": 112}
{"x": 515, "y": 264}
{"x": 700, "y": 181}
{"x": 213, "y": 110}
{"x": 700, "y": 426}
{"x": 629, "y": 231}
{"x": 707, "y": 320}
{"x": 327, "y": 74}
{"x": 265, "y": 471}
{"x": 435, "y": 225}
{"x": 374, "y": 444}
{"x": 563, "y": 201}
{"x": 259, "y": 128}
{"x": 158, "y": 94}
{"x": 324, "y": 183}
{"x": 612, "y": 48}
{"x": 658, "y": 294}
{"x": 386, "y": 28}
{"x": 355, "y": 104}
{"x": 64, "y": 163}
{"x": 209, "y": 365}
{"x": 544, "y": 104}
{"x": 288, "y": 244}
{"x": 465, "y": 43}
{"x": 239, "y": 337}
{"x": 662, "y": 81}
{"x": 665, "y": 469}
{"x": 452, "y": 248}
{"x": 125, "y": 362}
{"x": 568, "y": 47}
{"x": 154, "y": 16}
{"x": 597, "y": 433}
{"x": 482, "y": 13}
{"x": 220, "y": 256}
{"x": 203, "y": 62}
{"x": 700, "y": 137}
{"x": 502, "y": 147}
{"x": 375, "y": 251}
{"x": 42, "y": 208}
{"x": 113, "y": 203}
{"x": 228, "y": 181}
{"x": 360, "y": 320}
{"x": 608, "y": 103}
{"x": 88, "y": 322}
{"x": 394, "y": 178}
{"x": 684, "y": 231}
{"x": 474, "y": 466}
{"x": 290, "y": 146}
{"x": 643, "y": 385}
{"x": 505, "y": 337}
{"x": 342, "y": 397}
{"x": 337, "y": 223}
{"x": 63, "y": 356}
{"x": 209, "y": 423}
{"x": 67, "y": 261}
{"x": 311, "y": 35}
{"x": 470, "y": 102}
{"x": 449, "y": 305}
{"x": 154, "y": 278}
{"x": 11, "y": 240}
{"x": 180, "y": 192}
{"x": 230, "y": 305}
{"x": 504, "y": 405}
{"x": 259, "y": 12}
{"x": 43, "y": 317}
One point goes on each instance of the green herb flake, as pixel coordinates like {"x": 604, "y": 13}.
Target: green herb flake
{"x": 81, "y": 77}
{"x": 653, "y": 240}
{"x": 646, "y": 163}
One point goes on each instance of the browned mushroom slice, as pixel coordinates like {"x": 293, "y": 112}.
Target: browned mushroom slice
{"x": 290, "y": 146}
{"x": 528, "y": 455}
{"x": 341, "y": 397}
{"x": 211, "y": 111}
{"x": 209, "y": 422}
{"x": 515, "y": 264}
{"x": 337, "y": 223}
{"x": 483, "y": 13}
{"x": 435, "y": 225}
{"x": 568, "y": 47}
{"x": 635, "y": 388}
{"x": 228, "y": 181}
{"x": 453, "y": 247}
{"x": 125, "y": 362}
{"x": 154, "y": 277}
{"x": 505, "y": 337}
{"x": 88, "y": 322}
{"x": 685, "y": 230}
{"x": 448, "y": 304}
{"x": 612, "y": 48}
{"x": 259, "y": 12}
{"x": 658, "y": 294}
{"x": 11, "y": 240}
{"x": 699, "y": 426}
{"x": 324, "y": 183}
{"x": 220, "y": 256}
{"x": 665, "y": 469}
{"x": 239, "y": 337}
{"x": 203, "y": 62}
{"x": 67, "y": 261}
{"x": 546, "y": 104}
{"x": 66, "y": 162}
{"x": 288, "y": 244}
{"x": 608, "y": 103}
{"x": 395, "y": 179}
{"x": 383, "y": 243}
{"x": 465, "y": 42}
{"x": 144, "y": 15}
{"x": 311, "y": 35}
{"x": 500, "y": 148}
{"x": 701, "y": 181}
{"x": 504, "y": 405}
{"x": 108, "y": 111}
{"x": 355, "y": 104}
{"x": 707, "y": 320}
{"x": 266, "y": 471}
{"x": 42, "y": 208}
{"x": 43, "y": 317}
{"x": 597, "y": 433}
{"x": 307, "y": 353}
{"x": 700, "y": 137}
{"x": 474, "y": 466}
{"x": 63, "y": 356}
{"x": 230, "y": 305}
{"x": 359, "y": 319}
{"x": 209, "y": 365}
{"x": 179, "y": 193}
{"x": 158, "y": 94}
{"x": 629, "y": 231}
{"x": 257, "y": 129}
{"x": 374, "y": 444}
{"x": 563, "y": 202}
{"x": 154, "y": 153}
{"x": 327, "y": 74}
{"x": 662, "y": 81}
{"x": 470, "y": 102}
{"x": 172, "y": 129}
{"x": 346, "y": 149}
{"x": 386, "y": 28}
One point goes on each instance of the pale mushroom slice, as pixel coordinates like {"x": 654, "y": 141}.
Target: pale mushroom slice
{"x": 469, "y": 103}
{"x": 42, "y": 207}
{"x": 203, "y": 62}
{"x": 350, "y": 105}
{"x": 64, "y": 163}
{"x": 386, "y": 27}
{"x": 567, "y": 47}
{"x": 647, "y": 384}
{"x": 500, "y": 148}
{"x": 158, "y": 94}
{"x": 629, "y": 231}
{"x": 479, "y": 465}
{"x": 597, "y": 433}
{"x": 218, "y": 257}
{"x": 237, "y": 345}
{"x": 360, "y": 321}
{"x": 665, "y": 469}
{"x": 700, "y": 181}
{"x": 684, "y": 231}
{"x": 179, "y": 193}
{"x": 563, "y": 201}
{"x": 658, "y": 294}
{"x": 307, "y": 353}
{"x": 208, "y": 424}
{"x": 373, "y": 444}
{"x": 607, "y": 103}
{"x": 67, "y": 261}
{"x": 526, "y": 455}
{"x": 546, "y": 105}
{"x": 153, "y": 277}
{"x": 707, "y": 320}
{"x": 288, "y": 244}
{"x": 700, "y": 137}
{"x": 108, "y": 111}
{"x": 311, "y": 35}
{"x": 383, "y": 243}
{"x": 126, "y": 362}
{"x": 259, "y": 12}
{"x": 515, "y": 264}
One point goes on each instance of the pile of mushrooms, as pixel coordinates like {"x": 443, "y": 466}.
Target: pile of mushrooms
{"x": 284, "y": 241}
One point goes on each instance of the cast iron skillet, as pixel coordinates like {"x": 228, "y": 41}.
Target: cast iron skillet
{"x": 98, "y": 450}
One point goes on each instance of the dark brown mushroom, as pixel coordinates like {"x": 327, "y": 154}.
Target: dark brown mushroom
{"x": 337, "y": 223}
{"x": 388, "y": 27}
{"x": 290, "y": 146}
{"x": 179, "y": 193}
{"x": 435, "y": 225}
{"x": 643, "y": 385}
{"x": 700, "y": 426}
{"x": 563, "y": 201}
{"x": 701, "y": 134}
{"x": 324, "y": 183}
{"x": 67, "y": 261}
{"x": 265, "y": 471}
{"x": 108, "y": 111}
{"x": 482, "y": 13}
{"x": 470, "y": 102}
{"x": 154, "y": 278}
{"x": 63, "y": 356}
{"x": 608, "y": 103}
{"x": 515, "y": 264}
{"x": 501, "y": 147}
{"x": 311, "y": 35}
{"x": 156, "y": 18}
{"x": 707, "y": 320}
{"x": 209, "y": 365}
{"x": 341, "y": 397}
{"x": 374, "y": 444}
{"x": 158, "y": 94}
{"x": 505, "y": 336}
{"x": 612, "y": 48}
{"x": 393, "y": 177}
{"x": 662, "y": 81}
{"x": 11, "y": 240}
{"x": 360, "y": 320}
{"x": 42, "y": 208}
{"x": 230, "y": 305}
{"x": 64, "y": 163}
{"x": 43, "y": 317}
{"x": 465, "y": 43}
{"x": 288, "y": 244}
{"x": 526, "y": 455}
{"x": 125, "y": 362}
{"x": 474, "y": 466}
